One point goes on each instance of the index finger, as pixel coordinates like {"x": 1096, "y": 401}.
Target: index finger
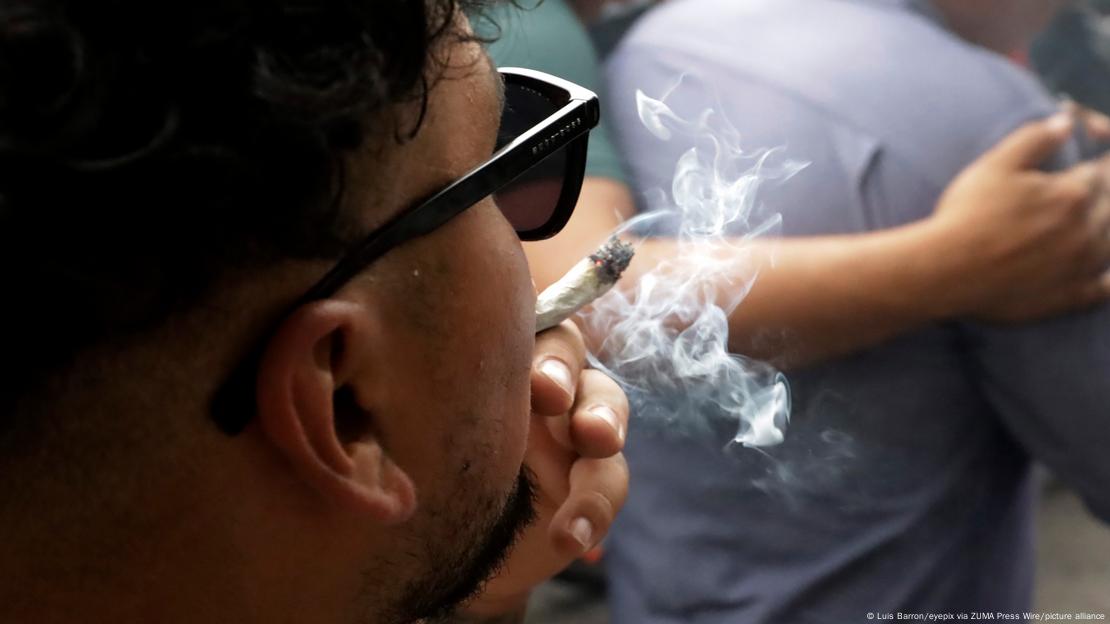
{"x": 1032, "y": 144}
{"x": 600, "y": 418}
{"x": 557, "y": 364}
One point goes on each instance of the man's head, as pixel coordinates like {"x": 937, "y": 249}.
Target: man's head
{"x": 174, "y": 176}
{"x": 1002, "y": 25}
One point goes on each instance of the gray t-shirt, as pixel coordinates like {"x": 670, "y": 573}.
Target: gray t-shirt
{"x": 904, "y": 482}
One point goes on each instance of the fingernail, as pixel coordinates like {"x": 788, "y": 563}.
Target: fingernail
{"x": 606, "y": 413}
{"x": 583, "y": 532}
{"x": 1059, "y": 122}
{"x": 559, "y": 373}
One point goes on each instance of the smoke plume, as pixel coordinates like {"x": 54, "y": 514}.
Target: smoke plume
{"x": 666, "y": 336}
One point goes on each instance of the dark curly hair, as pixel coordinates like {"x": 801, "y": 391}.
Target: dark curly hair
{"x": 145, "y": 147}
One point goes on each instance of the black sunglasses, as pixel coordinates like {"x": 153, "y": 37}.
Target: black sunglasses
{"x": 534, "y": 175}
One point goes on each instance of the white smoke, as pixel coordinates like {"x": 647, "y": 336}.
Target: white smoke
{"x": 666, "y": 337}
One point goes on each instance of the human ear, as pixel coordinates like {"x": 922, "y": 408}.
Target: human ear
{"x": 313, "y": 419}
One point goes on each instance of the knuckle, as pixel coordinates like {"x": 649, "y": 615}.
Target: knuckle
{"x": 1073, "y": 195}
{"x": 599, "y": 508}
{"x": 605, "y": 385}
{"x": 1035, "y": 180}
{"x": 620, "y": 476}
{"x": 604, "y": 483}
{"x": 566, "y": 334}
{"x": 563, "y": 349}
{"x": 1075, "y": 187}
{"x": 596, "y": 378}
{"x": 573, "y": 332}
{"x": 620, "y": 464}
{"x": 1031, "y": 132}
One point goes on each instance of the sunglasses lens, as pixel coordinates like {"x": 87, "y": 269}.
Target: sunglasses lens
{"x": 530, "y": 201}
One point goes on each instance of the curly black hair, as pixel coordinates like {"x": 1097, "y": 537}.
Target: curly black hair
{"x": 145, "y": 147}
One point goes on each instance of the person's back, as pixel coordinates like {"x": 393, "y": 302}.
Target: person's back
{"x": 901, "y": 485}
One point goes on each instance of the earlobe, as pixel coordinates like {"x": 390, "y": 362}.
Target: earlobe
{"x": 382, "y": 488}
{"x": 308, "y": 414}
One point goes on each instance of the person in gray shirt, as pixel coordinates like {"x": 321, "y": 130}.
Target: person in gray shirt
{"x": 904, "y": 483}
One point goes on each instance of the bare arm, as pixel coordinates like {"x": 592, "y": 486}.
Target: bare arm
{"x": 1007, "y": 243}
{"x": 827, "y": 296}
{"x": 822, "y": 297}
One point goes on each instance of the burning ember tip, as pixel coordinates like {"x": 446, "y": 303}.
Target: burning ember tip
{"x": 583, "y": 284}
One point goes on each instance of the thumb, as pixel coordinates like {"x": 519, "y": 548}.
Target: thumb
{"x": 1032, "y": 144}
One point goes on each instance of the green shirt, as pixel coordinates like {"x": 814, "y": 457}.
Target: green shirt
{"x": 549, "y": 38}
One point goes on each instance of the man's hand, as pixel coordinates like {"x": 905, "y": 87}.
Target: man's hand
{"x": 1020, "y": 243}
{"x": 580, "y": 417}
{"x": 1091, "y": 122}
